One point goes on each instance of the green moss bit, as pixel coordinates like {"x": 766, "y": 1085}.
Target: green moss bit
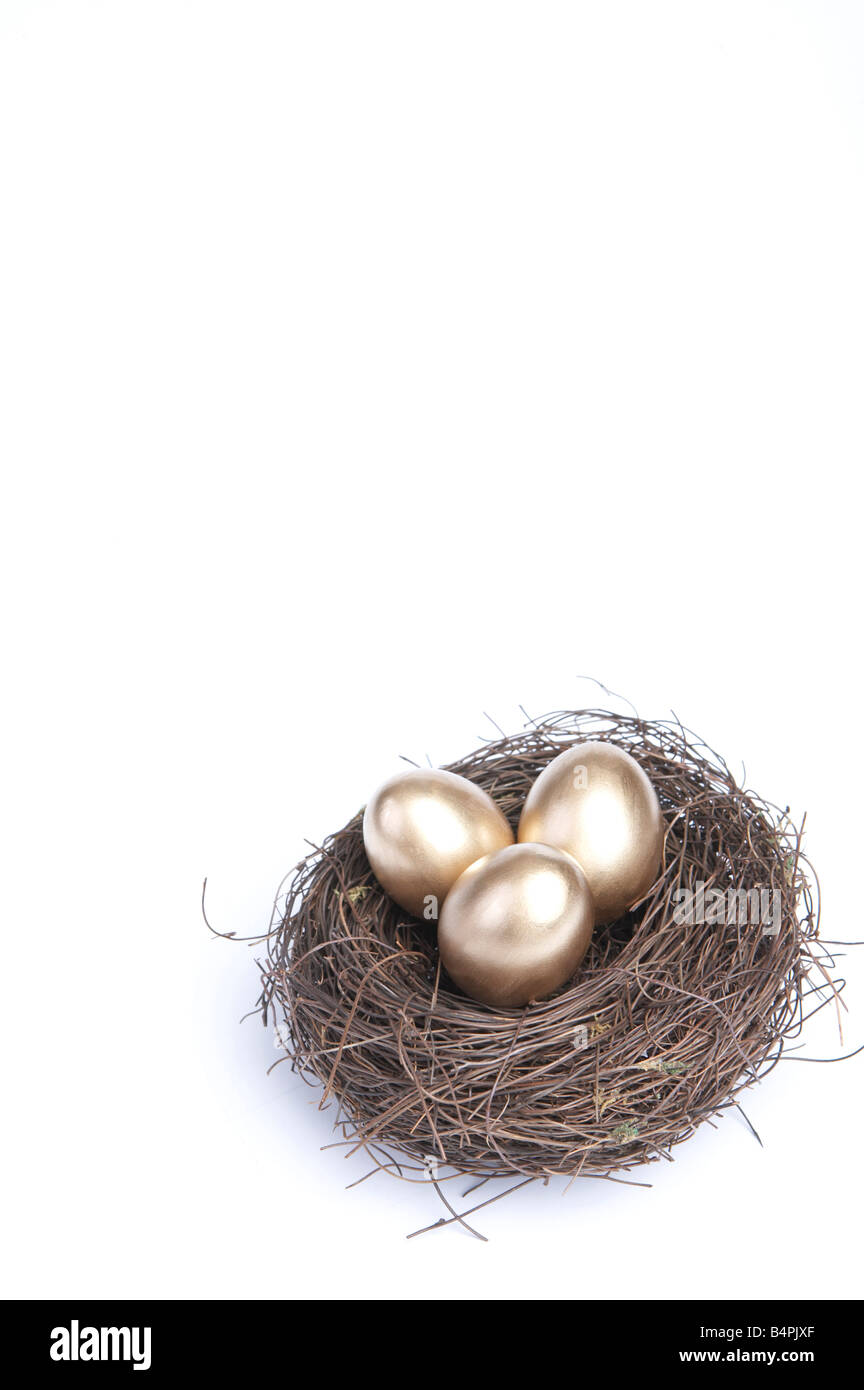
{"x": 666, "y": 1065}
{"x": 625, "y": 1132}
{"x": 603, "y": 1099}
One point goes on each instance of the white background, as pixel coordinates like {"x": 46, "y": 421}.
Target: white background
{"x": 366, "y": 367}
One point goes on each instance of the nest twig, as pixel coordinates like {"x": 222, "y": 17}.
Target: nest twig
{"x": 663, "y": 1025}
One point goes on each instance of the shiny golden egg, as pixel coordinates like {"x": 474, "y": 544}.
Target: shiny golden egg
{"x": 595, "y": 802}
{"x": 422, "y": 829}
{"x": 516, "y": 925}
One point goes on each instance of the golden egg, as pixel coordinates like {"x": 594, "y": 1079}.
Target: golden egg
{"x": 516, "y": 925}
{"x": 595, "y": 802}
{"x": 422, "y": 829}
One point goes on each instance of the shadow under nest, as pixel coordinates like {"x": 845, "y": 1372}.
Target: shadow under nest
{"x": 662, "y": 1026}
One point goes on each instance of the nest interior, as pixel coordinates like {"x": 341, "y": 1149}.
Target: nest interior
{"x": 664, "y": 1023}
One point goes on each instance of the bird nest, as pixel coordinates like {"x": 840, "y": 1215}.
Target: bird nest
{"x": 676, "y": 1007}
